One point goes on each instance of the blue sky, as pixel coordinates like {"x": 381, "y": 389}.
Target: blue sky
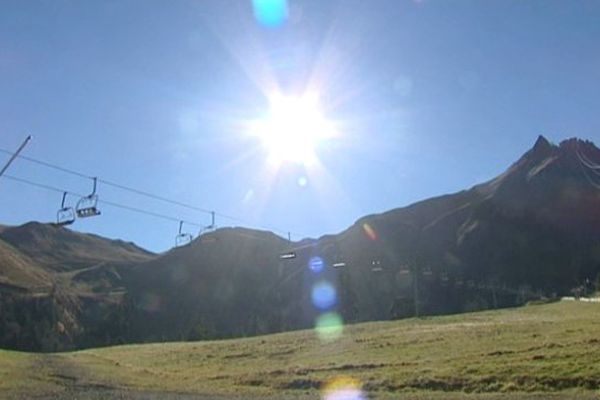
{"x": 430, "y": 97}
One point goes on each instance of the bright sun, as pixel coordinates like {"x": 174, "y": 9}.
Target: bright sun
{"x": 293, "y": 129}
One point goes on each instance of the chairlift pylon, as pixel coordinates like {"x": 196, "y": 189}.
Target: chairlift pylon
{"x": 88, "y": 206}
{"x": 65, "y": 215}
{"x": 183, "y": 238}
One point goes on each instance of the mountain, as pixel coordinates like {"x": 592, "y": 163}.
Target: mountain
{"x": 55, "y": 284}
{"x": 532, "y": 232}
{"x": 59, "y": 249}
{"x": 19, "y": 272}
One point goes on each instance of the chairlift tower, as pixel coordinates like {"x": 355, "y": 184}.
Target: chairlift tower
{"x": 15, "y": 155}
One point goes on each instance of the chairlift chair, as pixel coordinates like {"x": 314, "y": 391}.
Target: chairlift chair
{"x": 338, "y": 260}
{"x": 183, "y": 238}
{"x": 212, "y": 225}
{"x": 208, "y": 238}
{"x": 88, "y": 206}
{"x": 287, "y": 256}
{"x": 376, "y": 266}
{"x": 293, "y": 252}
{"x": 66, "y": 215}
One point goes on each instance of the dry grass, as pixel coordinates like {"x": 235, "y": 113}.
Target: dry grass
{"x": 525, "y": 352}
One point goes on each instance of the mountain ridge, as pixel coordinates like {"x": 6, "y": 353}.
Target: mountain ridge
{"x": 531, "y": 232}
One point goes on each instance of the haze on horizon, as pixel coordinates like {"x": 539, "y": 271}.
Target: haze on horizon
{"x": 403, "y": 100}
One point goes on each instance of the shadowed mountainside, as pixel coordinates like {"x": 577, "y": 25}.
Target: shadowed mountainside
{"x": 534, "y": 231}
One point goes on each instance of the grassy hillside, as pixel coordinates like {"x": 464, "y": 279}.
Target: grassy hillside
{"x": 526, "y": 352}
{"x": 19, "y": 271}
{"x": 61, "y": 249}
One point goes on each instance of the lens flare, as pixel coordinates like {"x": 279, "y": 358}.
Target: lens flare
{"x": 343, "y": 388}
{"x": 369, "y": 231}
{"x": 302, "y": 181}
{"x": 316, "y": 264}
{"x": 323, "y": 295}
{"x": 329, "y": 326}
{"x": 270, "y": 13}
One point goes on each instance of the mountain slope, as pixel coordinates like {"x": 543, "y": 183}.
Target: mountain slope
{"x": 60, "y": 249}
{"x": 532, "y": 232}
{"x": 56, "y": 287}
{"x": 19, "y": 272}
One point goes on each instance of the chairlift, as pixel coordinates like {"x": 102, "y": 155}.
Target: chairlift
{"x": 66, "y": 215}
{"x": 182, "y": 238}
{"x": 293, "y": 252}
{"x": 88, "y": 206}
{"x": 338, "y": 261}
{"x": 404, "y": 270}
{"x": 208, "y": 238}
{"x": 376, "y": 266}
{"x": 287, "y": 256}
{"x": 444, "y": 279}
{"x": 212, "y": 222}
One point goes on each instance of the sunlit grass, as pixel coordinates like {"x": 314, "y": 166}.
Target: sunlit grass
{"x": 13, "y": 369}
{"x": 537, "y": 349}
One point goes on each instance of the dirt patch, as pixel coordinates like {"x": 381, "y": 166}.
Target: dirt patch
{"x": 301, "y": 384}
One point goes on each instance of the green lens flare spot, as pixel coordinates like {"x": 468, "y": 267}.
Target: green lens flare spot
{"x": 329, "y": 326}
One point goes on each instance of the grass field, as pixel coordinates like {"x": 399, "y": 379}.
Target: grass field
{"x": 543, "y": 351}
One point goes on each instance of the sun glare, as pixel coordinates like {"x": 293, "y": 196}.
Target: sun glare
{"x": 293, "y": 129}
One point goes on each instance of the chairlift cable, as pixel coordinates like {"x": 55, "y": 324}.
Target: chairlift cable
{"x": 147, "y": 194}
{"x": 106, "y": 202}
{"x": 121, "y": 206}
{"x": 49, "y": 165}
{"x": 169, "y": 218}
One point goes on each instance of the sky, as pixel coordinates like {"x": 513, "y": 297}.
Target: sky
{"x": 426, "y": 97}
